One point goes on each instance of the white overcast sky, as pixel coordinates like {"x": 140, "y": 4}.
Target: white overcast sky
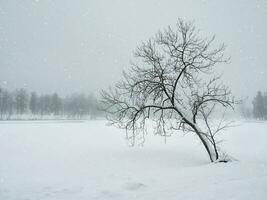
{"x": 70, "y": 46}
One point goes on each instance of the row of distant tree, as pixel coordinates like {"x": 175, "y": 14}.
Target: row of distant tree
{"x": 14, "y": 104}
{"x": 22, "y": 103}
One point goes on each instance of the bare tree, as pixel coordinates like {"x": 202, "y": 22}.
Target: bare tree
{"x": 172, "y": 83}
{"x": 56, "y": 104}
{"x": 33, "y": 104}
{"x": 21, "y": 101}
{"x": 259, "y": 107}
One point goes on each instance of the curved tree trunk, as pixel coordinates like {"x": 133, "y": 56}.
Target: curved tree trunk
{"x": 211, "y": 149}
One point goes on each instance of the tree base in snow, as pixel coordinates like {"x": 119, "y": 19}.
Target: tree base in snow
{"x": 225, "y": 158}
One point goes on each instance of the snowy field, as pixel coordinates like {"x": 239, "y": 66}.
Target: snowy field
{"x": 84, "y": 160}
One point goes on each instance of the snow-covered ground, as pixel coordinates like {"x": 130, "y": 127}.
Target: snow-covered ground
{"x": 84, "y": 160}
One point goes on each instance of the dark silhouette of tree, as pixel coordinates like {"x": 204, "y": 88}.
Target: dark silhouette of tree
{"x": 33, "y": 103}
{"x": 172, "y": 82}
{"x": 6, "y": 104}
{"x": 259, "y": 106}
{"x": 21, "y": 101}
{"x": 56, "y": 104}
{"x": 265, "y": 105}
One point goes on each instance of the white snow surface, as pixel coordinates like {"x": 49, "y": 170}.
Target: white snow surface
{"x": 84, "y": 160}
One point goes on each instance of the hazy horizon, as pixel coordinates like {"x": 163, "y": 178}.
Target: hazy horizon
{"x": 65, "y": 46}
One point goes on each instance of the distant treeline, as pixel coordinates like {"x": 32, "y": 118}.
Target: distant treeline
{"x": 256, "y": 109}
{"x": 260, "y": 106}
{"x": 21, "y": 104}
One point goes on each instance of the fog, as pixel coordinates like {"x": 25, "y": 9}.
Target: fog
{"x": 65, "y": 135}
{"x": 82, "y": 46}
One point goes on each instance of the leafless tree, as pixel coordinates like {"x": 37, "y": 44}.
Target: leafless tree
{"x": 172, "y": 83}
